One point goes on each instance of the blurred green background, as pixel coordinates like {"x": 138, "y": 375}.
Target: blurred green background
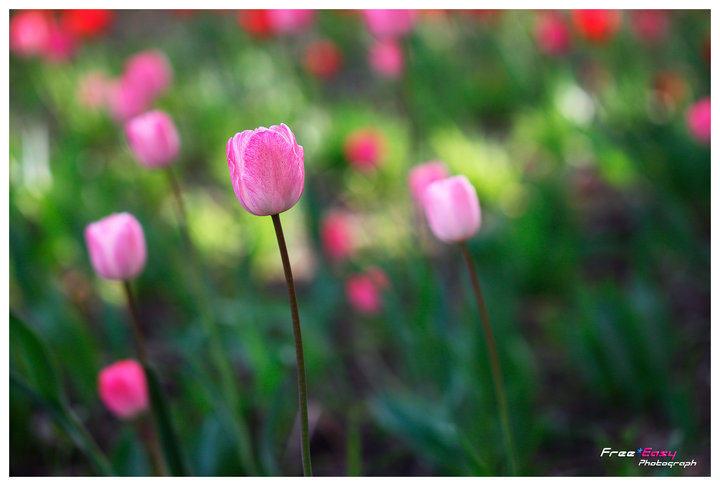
{"x": 594, "y": 248}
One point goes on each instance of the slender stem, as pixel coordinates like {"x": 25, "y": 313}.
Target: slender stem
{"x": 221, "y": 360}
{"x": 149, "y": 436}
{"x": 302, "y": 384}
{"x": 494, "y": 360}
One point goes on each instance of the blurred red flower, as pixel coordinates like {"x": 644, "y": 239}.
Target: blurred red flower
{"x": 650, "y": 26}
{"x": 363, "y": 149}
{"x": 597, "y": 26}
{"x": 86, "y": 23}
{"x": 255, "y": 22}
{"x": 552, "y": 33}
{"x": 322, "y": 59}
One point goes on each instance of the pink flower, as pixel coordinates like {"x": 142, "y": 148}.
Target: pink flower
{"x": 552, "y": 33}
{"x": 148, "y": 71}
{"x": 364, "y": 291}
{"x": 267, "y": 169}
{"x": 650, "y": 26}
{"x": 123, "y": 388}
{"x": 698, "y": 120}
{"x": 322, "y": 59}
{"x": 29, "y": 32}
{"x": 423, "y": 175}
{"x": 153, "y": 138}
{"x": 94, "y": 89}
{"x": 389, "y": 23}
{"x": 336, "y": 233}
{"x": 59, "y": 45}
{"x": 452, "y": 209}
{"x": 386, "y": 58}
{"x": 125, "y": 100}
{"x": 363, "y": 149}
{"x": 290, "y": 21}
{"x": 598, "y": 26}
{"x": 116, "y": 245}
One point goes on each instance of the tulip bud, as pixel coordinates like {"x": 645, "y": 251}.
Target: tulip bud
{"x": 421, "y": 176}
{"x": 698, "y": 120}
{"x": 123, "y": 388}
{"x": 322, "y": 59}
{"x": 153, "y": 138}
{"x": 266, "y": 169}
{"x": 552, "y": 34}
{"x": 290, "y": 21}
{"x": 386, "y": 58}
{"x": 389, "y": 23}
{"x": 336, "y": 233}
{"x": 363, "y": 149}
{"x": 452, "y": 209}
{"x": 597, "y": 25}
{"x": 148, "y": 71}
{"x": 364, "y": 291}
{"x": 29, "y": 32}
{"x": 116, "y": 245}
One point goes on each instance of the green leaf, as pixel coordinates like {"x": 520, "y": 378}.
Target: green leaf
{"x": 33, "y": 355}
{"x": 168, "y": 436}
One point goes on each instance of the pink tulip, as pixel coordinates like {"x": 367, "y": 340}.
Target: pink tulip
{"x": 29, "y": 32}
{"x": 125, "y": 100}
{"x": 123, "y": 388}
{"x": 422, "y": 176}
{"x": 267, "y": 169}
{"x": 452, "y": 209}
{"x": 364, "y": 291}
{"x": 363, "y": 149}
{"x": 698, "y": 120}
{"x": 116, "y": 245}
{"x": 650, "y": 26}
{"x": 148, "y": 71}
{"x": 552, "y": 34}
{"x": 290, "y": 21}
{"x": 94, "y": 90}
{"x": 389, "y": 23}
{"x": 153, "y": 138}
{"x": 336, "y": 233}
{"x": 386, "y": 58}
{"x": 59, "y": 46}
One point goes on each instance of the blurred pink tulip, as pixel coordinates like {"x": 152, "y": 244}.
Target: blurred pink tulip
{"x": 363, "y": 149}
{"x": 29, "y": 32}
{"x": 322, "y": 59}
{"x": 266, "y": 169}
{"x": 116, "y": 245}
{"x": 423, "y": 175}
{"x": 290, "y": 21}
{"x": 123, "y": 388}
{"x": 336, "y": 233}
{"x": 552, "y": 33}
{"x": 94, "y": 89}
{"x": 698, "y": 120}
{"x": 452, "y": 209}
{"x": 148, "y": 71}
{"x": 125, "y": 100}
{"x": 153, "y": 138}
{"x": 386, "y": 58}
{"x": 364, "y": 291}
{"x": 59, "y": 46}
{"x": 650, "y": 26}
{"x": 389, "y": 23}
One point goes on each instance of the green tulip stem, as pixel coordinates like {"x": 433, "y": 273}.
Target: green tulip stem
{"x": 494, "y": 361}
{"x": 148, "y": 434}
{"x": 302, "y": 384}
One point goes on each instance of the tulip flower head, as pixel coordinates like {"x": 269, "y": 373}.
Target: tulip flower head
{"x": 290, "y": 21}
{"x": 29, "y": 32}
{"x": 123, "y": 388}
{"x": 116, "y": 245}
{"x": 149, "y": 72}
{"x": 421, "y": 176}
{"x": 86, "y": 22}
{"x": 336, "y": 234}
{"x": 386, "y": 58}
{"x": 552, "y": 34}
{"x": 650, "y": 26}
{"x": 363, "y": 149}
{"x": 597, "y": 26}
{"x": 267, "y": 169}
{"x": 322, "y": 59}
{"x": 153, "y": 138}
{"x": 698, "y": 120}
{"x": 452, "y": 209}
{"x": 389, "y": 24}
{"x": 364, "y": 291}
